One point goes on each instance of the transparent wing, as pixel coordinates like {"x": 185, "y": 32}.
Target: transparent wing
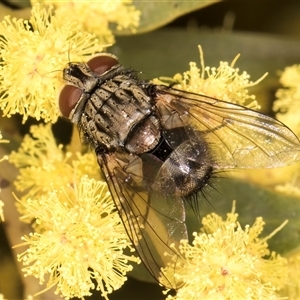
{"x": 152, "y": 222}
{"x": 238, "y": 137}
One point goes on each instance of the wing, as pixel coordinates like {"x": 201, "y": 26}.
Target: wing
{"x": 152, "y": 222}
{"x": 238, "y": 137}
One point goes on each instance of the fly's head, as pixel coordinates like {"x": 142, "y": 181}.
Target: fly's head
{"x": 81, "y": 80}
{"x": 80, "y": 76}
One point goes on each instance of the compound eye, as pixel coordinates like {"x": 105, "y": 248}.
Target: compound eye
{"x": 70, "y": 94}
{"x": 101, "y": 63}
{"x": 68, "y": 98}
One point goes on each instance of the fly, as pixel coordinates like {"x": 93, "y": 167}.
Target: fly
{"x": 158, "y": 147}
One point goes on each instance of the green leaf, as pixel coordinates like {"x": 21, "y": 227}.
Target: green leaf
{"x": 166, "y": 52}
{"x": 19, "y": 13}
{"x": 155, "y": 14}
{"x": 18, "y": 3}
{"x": 253, "y": 201}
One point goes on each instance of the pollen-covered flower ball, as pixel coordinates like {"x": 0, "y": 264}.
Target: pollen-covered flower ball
{"x": 98, "y": 16}
{"x": 224, "y": 82}
{"x": 81, "y": 245}
{"x": 32, "y": 55}
{"x": 45, "y": 166}
{"x": 228, "y": 262}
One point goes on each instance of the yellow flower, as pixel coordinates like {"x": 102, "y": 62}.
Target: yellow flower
{"x": 223, "y": 83}
{"x": 98, "y": 16}
{"x": 228, "y": 262}
{"x": 290, "y": 187}
{"x": 33, "y": 53}
{"x": 288, "y": 98}
{"x": 80, "y": 247}
{"x": 45, "y": 166}
{"x": 287, "y": 111}
{"x": 292, "y": 288}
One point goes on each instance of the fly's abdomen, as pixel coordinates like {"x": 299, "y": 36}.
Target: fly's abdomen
{"x": 186, "y": 171}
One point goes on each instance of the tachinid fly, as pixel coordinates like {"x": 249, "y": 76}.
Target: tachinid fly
{"x": 158, "y": 146}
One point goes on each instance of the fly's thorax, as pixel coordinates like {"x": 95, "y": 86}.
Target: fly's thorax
{"x": 119, "y": 115}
